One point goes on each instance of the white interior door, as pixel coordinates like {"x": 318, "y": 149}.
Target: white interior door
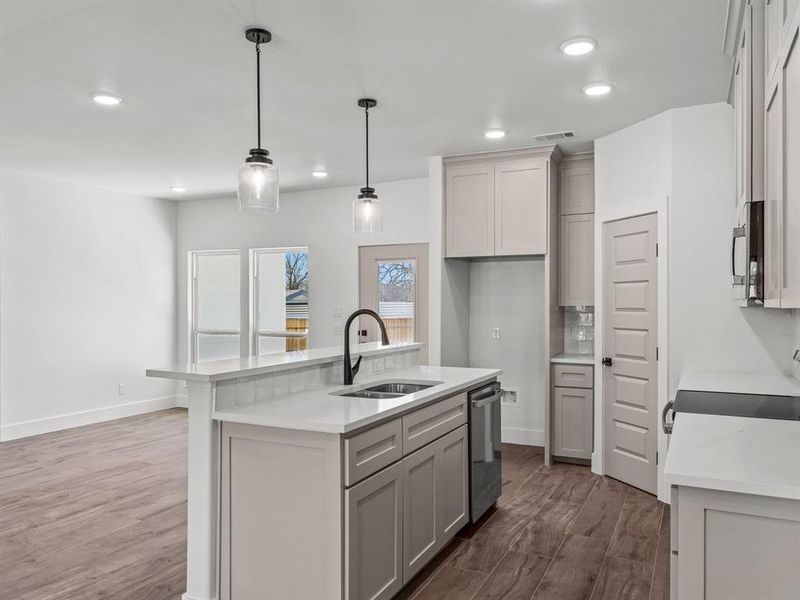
{"x": 630, "y": 316}
{"x": 393, "y": 281}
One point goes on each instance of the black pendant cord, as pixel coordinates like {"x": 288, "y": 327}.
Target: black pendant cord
{"x": 366, "y": 116}
{"x": 258, "y": 92}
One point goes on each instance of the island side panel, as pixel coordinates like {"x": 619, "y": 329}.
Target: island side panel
{"x": 281, "y": 514}
{"x": 201, "y": 515}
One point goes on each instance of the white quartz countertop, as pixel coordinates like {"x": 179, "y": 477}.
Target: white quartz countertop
{"x": 220, "y": 370}
{"x": 739, "y": 383}
{"x": 569, "y": 358}
{"x": 735, "y": 454}
{"x": 322, "y": 411}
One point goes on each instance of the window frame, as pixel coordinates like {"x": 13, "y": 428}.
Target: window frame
{"x": 193, "y": 330}
{"x": 255, "y": 331}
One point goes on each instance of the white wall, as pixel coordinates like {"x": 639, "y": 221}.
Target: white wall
{"x": 680, "y": 165}
{"x": 509, "y": 295}
{"x": 87, "y": 301}
{"x": 320, "y": 220}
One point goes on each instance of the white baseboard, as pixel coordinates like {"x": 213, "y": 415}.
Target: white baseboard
{"x": 182, "y": 401}
{"x": 13, "y": 431}
{"x": 518, "y": 435}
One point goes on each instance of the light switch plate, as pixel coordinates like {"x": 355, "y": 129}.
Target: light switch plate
{"x": 495, "y": 332}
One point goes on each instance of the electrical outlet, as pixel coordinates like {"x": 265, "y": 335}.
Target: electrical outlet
{"x": 495, "y": 333}
{"x": 510, "y": 397}
{"x": 121, "y": 389}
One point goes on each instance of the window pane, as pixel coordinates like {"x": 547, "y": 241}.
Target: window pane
{"x": 282, "y": 299}
{"x": 396, "y": 298}
{"x": 217, "y": 293}
{"x": 217, "y": 347}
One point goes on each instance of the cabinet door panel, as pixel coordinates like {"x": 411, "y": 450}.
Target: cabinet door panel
{"x": 576, "y": 271}
{"x": 790, "y": 292}
{"x": 374, "y": 536}
{"x": 470, "y": 210}
{"x": 577, "y": 189}
{"x": 421, "y": 514}
{"x": 453, "y": 488}
{"x": 520, "y": 207}
{"x": 773, "y": 197}
{"x": 572, "y": 422}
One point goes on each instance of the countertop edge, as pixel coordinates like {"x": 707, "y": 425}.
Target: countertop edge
{"x": 232, "y": 416}
{"x": 260, "y": 370}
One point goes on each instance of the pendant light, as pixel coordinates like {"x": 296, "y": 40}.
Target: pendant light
{"x": 258, "y": 178}
{"x": 367, "y": 217}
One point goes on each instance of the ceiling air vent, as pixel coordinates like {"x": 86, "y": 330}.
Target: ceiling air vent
{"x": 554, "y": 137}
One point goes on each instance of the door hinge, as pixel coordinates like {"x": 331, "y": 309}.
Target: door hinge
{"x": 656, "y": 352}
{"x": 656, "y": 249}
{"x": 656, "y": 457}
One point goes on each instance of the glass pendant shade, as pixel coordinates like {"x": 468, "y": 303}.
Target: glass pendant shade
{"x": 258, "y": 186}
{"x": 367, "y": 214}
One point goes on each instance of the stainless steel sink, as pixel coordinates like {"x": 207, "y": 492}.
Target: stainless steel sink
{"x": 399, "y": 387}
{"x": 371, "y": 394}
{"x": 392, "y": 389}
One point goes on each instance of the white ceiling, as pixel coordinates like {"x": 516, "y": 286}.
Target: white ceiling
{"x": 442, "y": 73}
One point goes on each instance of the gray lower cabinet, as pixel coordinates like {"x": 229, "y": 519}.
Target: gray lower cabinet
{"x": 374, "y": 536}
{"x": 435, "y": 498}
{"x": 318, "y": 515}
{"x": 728, "y": 546}
{"x": 572, "y": 412}
{"x": 573, "y": 418}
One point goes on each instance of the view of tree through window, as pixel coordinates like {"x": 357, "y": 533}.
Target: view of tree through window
{"x": 396, "y": 298}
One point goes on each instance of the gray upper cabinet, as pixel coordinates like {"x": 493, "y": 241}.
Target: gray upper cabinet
{"x": 470, "y": 210}
{"x": 520, "y": 207}
{"x": 576, "y": 269}
{"x": 782, "y": 154}
{"x": 747, "y": 97}
{"x": 577, "y": 186}
{"x": 576, "y": 231}
{"x": 497, "y": 204}
{"x": 374, "y": 536}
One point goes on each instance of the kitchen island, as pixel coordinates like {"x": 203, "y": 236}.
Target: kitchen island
{"x": 298, "y": 491}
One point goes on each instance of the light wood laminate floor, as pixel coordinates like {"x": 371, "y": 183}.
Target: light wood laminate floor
{"x": 100, "y": 512}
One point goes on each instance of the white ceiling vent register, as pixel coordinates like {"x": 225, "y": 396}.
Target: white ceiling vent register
{"x": 552, "y": 137}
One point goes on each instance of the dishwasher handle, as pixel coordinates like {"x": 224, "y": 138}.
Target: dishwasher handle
{"x": 488, "y": 400}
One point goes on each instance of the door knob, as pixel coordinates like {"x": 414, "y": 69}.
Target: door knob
{"x": 607, "y": 362}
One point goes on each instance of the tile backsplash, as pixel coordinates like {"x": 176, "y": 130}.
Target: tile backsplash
{"x": 579, "y": 329}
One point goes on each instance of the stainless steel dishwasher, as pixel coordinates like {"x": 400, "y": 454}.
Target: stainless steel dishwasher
{"x": 486, "y": 475}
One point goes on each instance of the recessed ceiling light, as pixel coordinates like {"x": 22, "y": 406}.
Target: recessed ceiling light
{"x": 178, "y": 189}
{"x": 578, "y": 46}
{"x": 599, "y": 88}
{"x": 106, "y": 99}
{"x": 319, "y": 174}
{"x": 494, "y": 134}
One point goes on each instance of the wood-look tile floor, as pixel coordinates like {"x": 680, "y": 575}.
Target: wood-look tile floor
{"x": 558, "y": 533}
{"x": 100, "y": 512}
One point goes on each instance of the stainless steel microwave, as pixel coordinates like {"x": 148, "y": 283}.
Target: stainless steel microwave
{"x": 747, "y": 255}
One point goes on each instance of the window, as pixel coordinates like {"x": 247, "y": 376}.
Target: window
{"x": 396, "y": 297}
{"x": 280, "y": 299}
{"x": 215, "y": 305}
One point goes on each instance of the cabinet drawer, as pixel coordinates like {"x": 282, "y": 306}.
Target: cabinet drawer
{"x": 368, "y": 452}
{"x": 573, "y": 376}
{"x": 426, "y": 424}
